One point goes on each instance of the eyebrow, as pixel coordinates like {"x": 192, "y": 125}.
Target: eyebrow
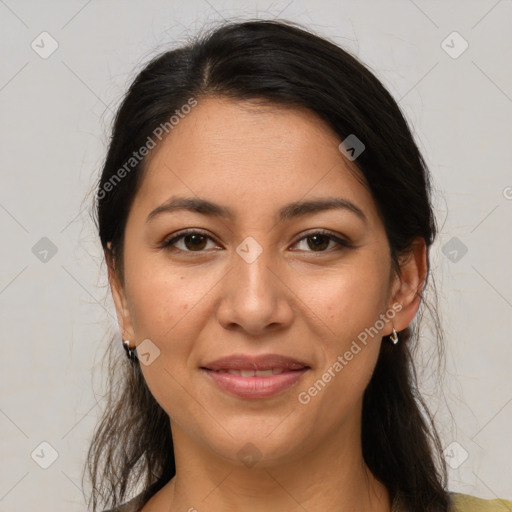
{"x": 290, "y": 211}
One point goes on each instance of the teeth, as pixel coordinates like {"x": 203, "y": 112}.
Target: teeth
{"x": 264, "y": 373}
{"x": 254, "y": 373}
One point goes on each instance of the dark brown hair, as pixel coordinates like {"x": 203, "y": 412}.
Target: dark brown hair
{"x": 283, "y": 64}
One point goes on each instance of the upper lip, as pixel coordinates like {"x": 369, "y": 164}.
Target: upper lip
{"x": 260, "y": 362}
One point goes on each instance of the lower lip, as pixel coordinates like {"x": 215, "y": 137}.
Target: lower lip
{"x": 255, "y": 387}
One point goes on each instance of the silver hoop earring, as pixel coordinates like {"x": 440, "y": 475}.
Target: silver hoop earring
{"x": 394, "y": 337}
{"x": 130, "y": 351}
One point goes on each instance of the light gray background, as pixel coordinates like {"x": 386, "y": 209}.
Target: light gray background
{"x": 56, "y": 315}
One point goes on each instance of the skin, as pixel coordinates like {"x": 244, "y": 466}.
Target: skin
{"x": 207, "y": 303}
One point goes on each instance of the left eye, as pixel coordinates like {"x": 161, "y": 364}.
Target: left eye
{"x": 196, "y": 241}
{"x": 320, "y": 241}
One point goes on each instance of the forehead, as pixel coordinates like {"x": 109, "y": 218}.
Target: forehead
{"x": 254, "y": 157}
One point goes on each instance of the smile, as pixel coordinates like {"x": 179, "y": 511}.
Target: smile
{"x": 254, "y": 373}
{"x": 254, "y": 384}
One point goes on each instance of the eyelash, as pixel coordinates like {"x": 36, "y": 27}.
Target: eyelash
{"x": 168, "y": 243}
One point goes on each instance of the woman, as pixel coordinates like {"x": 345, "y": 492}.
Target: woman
{"x": 266, "y": 221}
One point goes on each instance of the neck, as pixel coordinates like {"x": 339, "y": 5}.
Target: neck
{"x": 333, "y": 476}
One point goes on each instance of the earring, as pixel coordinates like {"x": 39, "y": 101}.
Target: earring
{"x": 394, "y": 337}
{"x": 130, "y": 351}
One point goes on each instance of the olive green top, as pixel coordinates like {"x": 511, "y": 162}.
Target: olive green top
{"x": 466, "y": 503}
{"x": 461, "y": 503}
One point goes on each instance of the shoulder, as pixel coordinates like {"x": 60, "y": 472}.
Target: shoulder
{"x": 467, "y": 503}
{"x": 134, "y": 505}
{"x": 463, "y": 503}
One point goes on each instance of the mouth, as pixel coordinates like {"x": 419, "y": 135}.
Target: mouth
{"x": 255, "y": 377}
{"x": 262, "y": 362}
{"x": 254, "y": 373}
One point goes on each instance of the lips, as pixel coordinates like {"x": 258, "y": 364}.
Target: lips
{"x": 254, "y": 373}
{"x": 262, "y": 363}
{"x": 255, "y": 377}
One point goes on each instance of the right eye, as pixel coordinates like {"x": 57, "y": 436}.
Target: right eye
{"x": 191, "y": 241}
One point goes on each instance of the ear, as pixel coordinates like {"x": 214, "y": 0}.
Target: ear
{"x": 408, "y": 285}
{"x": 119, "y": 297}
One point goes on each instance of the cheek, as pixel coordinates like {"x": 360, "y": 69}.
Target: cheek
{"x": 166, "y": 308}
{"x": 349, "y": 303}
{"x": 345, "y": 301}
{"x": 161, "y": 297}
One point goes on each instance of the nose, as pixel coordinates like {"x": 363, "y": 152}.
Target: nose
{"x": 255, "y": 297}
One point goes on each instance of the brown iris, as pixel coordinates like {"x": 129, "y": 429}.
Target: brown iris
{"x": 320, "y": 242}
{"x": 195, "y": 241}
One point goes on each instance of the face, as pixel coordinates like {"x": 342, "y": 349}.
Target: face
{"x": 264, "y": 278}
